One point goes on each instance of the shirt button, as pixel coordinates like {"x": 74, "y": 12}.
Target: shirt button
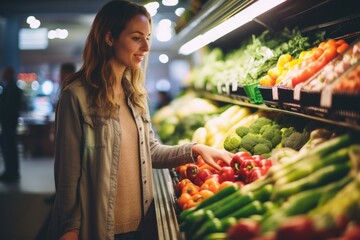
{"x": 146, "y": 201}
{"x": 142, "y": 142}
{"x": 145, "y": 182}
{"x": 143, "y": 162}
{"x": 140, "y": 128}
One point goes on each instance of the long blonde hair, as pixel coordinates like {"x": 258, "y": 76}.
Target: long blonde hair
{"x": 96, "y": 71}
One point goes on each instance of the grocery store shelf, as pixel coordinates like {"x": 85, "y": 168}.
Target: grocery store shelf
{"x": 233, "y": 100}
{"x": 164, "y": 197}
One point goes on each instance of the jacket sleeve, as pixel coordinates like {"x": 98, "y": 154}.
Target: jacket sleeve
{"x": 68, "y": 144}
{"x": 166, "y": 156}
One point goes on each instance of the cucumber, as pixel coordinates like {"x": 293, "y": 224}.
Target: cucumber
{"x": 319, "y": 178}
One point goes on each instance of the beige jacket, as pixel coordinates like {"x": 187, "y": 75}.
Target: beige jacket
{"x": 86, "y": 161}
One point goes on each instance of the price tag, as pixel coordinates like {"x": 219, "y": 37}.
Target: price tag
{"x": 297, "y": 92}
{"x": 275, "y": 94}
{"x": 234, "y": 86}
{"x": 227, "y": 87}
{"x": 326, "y": 97}
{"x": 219, "y": 87}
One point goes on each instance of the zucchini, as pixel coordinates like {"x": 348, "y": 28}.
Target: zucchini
{"x": 262, "y": 195}
{"x": 212, "y": 226}
{"x": 303, "y": 170}
{"x": 209, "y": 201}
{"x": 319, "y": 178}
{"x": 301, "y": 203}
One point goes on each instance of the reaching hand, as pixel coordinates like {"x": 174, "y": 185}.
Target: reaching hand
{"x": 212, "y": 155}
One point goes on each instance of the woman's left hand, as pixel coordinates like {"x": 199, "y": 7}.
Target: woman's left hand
{"x": 211, "y": 155}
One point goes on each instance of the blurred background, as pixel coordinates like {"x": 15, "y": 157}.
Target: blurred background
{"x": 36, "y": 38}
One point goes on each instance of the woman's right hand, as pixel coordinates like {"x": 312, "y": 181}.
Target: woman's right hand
{"x": 71, "y": 235}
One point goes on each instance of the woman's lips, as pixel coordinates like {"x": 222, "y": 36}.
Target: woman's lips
{"x": 139, "y": 57}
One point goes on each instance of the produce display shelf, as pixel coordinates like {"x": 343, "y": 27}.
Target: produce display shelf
{"x": 338, "y": 118}
{"x": 165, "y": 206}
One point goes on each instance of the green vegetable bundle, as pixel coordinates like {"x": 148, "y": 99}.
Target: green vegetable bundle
{"x": 296, "y": 187}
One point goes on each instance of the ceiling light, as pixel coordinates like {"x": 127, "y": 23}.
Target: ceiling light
{"x": 58, "y": 33}
{"x": 152, "y": 8}
{"x": 241, "y": 18}
{"x": 33, "y": 22}
{"x": 30, "y": 19}
{"x": 163, "y": 58}
{"x": 179, "y": 11}
{"x": 170, "y": 2}
{"x": 164, "y": 31}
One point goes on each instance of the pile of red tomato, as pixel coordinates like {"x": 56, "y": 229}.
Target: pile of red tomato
{"x": 198, "y": 181}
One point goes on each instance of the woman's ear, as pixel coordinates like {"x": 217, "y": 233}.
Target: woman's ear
{"x": 109, "y": 39}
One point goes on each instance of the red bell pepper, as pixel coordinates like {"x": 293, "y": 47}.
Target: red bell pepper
{"x": 246, "y": 166}
{"x": 202, "y": 176}
{"x": 265, "y": 164}
{"x": 257, "y": 159}
{"x": 192, "y": 171}
{"x": 237, "y": 160}
{"x": 227, "y": 174}
{"x": 254, "y": 174}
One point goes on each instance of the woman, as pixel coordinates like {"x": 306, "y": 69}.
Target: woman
{"x": 105, "y": 146}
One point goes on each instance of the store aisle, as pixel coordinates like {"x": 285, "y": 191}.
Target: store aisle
{"x": 24, "y": 206}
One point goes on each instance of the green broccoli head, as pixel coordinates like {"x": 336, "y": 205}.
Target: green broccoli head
{"x": 249, "y": 141}
{"x": 295, "y": 141}
{"x": 272, "y": 133}
{"x": 258, "y": 123}
{"x": 265, "y": 142}
{"x": 232, "y": 142}
{"x": 286, "y": 132}
{"x": 242, "y": 131}
{"x": 261, "y": 149}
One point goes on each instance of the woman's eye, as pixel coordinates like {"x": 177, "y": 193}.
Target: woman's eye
{"x": 136, "y": 38}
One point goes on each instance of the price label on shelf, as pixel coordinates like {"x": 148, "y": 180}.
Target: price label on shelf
{"x": 326, "y": 97}
{"x": 275, "y": 94}
{"x": 234, "y": 86}
{"x": 297, "y": 92}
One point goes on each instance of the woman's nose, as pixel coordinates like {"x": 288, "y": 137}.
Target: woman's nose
{"x": 146, "y": 45}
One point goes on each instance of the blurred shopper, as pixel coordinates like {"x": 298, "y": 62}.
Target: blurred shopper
{"x": 10, "y": 105}
{"x": 105, "y": 145}
{"x": 164, "y": 99}
{"x": 66, "y": 69}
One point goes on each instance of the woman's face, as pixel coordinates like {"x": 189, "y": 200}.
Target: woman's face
{"x": 132, "y": 44}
